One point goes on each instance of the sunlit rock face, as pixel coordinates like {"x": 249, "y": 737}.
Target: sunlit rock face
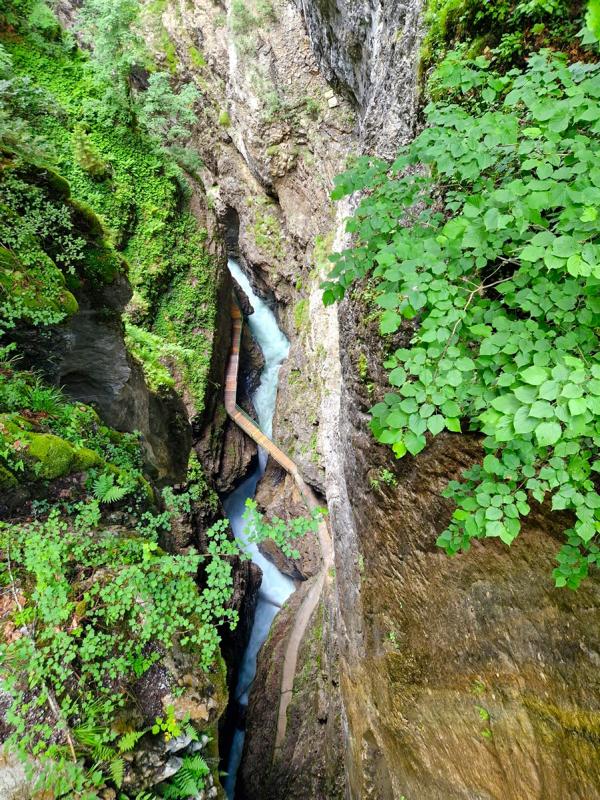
{"x": 466, "y": 677}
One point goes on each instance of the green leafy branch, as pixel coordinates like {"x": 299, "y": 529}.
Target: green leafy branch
{"x": 484, "y": 232}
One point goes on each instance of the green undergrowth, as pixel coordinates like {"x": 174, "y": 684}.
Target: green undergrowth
{"x": 95, "y": 609}
{"x": 507, "y": 31}
{"x": 50, "y": 245}
{"x": 91, "y": 608}
{"x": 45, "y": 436}
{"x": 186, "y": 315}
{"x": 140, "y": 200}
{"x": 136, "y": 189}
{"x": 484, "y": 232}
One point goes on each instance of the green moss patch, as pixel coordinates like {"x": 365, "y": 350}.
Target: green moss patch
{"x": 139, "y": 198}
{"x": 508, "y": 30}
{"x": 52, "y": 456}
{"x": 186, "y": 317}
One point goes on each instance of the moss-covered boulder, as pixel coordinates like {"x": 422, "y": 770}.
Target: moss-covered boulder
{"x": 35, "y": 292}
{"x": 85, "y": 459}
{"x": 52, "y": 455}
{"x": 46, "y": 455}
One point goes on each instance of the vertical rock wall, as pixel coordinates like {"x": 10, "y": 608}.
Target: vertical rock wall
{"x": 272, "y": 136}
{"x": 370, "y": 48}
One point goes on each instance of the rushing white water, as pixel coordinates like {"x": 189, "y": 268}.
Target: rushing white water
{"x": 275, "y": 587}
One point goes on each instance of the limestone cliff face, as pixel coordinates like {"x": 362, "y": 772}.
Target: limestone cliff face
{"x": 370, "y": 48}
{"x": 470, "y": 677}
{"x": 272, "y": 136}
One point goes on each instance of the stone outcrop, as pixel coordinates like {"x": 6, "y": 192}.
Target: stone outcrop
{"x": 371, "y": 49}
{"x": 87, "y": 356}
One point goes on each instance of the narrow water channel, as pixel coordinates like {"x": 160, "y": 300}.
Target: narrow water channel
{"x": 275, "y": 587}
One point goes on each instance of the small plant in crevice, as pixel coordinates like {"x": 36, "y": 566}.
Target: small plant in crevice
{"x": 188, "y": 781}
{"x": 385, "y": 476}
{"x": 282, "y": 532}
{"x": 106, "y": 491}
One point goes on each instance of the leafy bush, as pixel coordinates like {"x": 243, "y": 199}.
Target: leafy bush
{"x": 112, "y": 32}
{"x": 509, "y": 28}
{"x": 168, "y": 116}
{"x": 95, "y": 602}
{"x": 494, "y": 252}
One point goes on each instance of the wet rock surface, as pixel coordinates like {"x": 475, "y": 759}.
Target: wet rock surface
{"x": 370, "y": 48}
{"x": 88, "y": 358}
{"x": 465, "y": 677}
{"x": 307, "y": 766}
{"x": 271, "y": 144}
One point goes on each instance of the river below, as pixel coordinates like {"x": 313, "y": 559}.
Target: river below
{"x": 275, "y": 587}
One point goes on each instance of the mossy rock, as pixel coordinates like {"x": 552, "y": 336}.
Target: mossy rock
{"x": 56, "y": 183}
{"x": 87, "y": 220}
{"x": 69, "y": 303}
{"x": 85, "y": 458}
{"x": 15, "y": 423}
{"x": 54, "y": 456}
{"x": 38, "y": 287}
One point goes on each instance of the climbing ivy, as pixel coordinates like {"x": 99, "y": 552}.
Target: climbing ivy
{"x": 483, "y": 240}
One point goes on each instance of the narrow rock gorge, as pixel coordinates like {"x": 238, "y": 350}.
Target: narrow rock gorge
{"x": 417, "y": 674}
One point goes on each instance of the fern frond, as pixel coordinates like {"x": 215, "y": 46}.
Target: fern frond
{"x": 190, "y": 731}
{"x": 197, "y": 765}
{"x": 117, "y": 771}
{"x": 103, "y": 753}
{"x": 129, "y": 740}
{"x": 105, "y": 490}
{"x": 170, "y": 792}
{"x": 185, "y": 782}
